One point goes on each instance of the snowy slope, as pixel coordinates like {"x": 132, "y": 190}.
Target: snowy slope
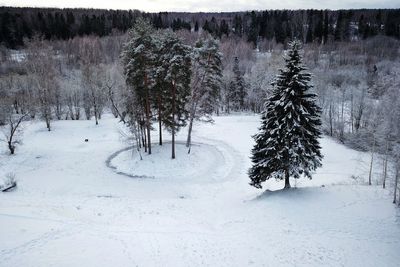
{"x": 70, "y": 209}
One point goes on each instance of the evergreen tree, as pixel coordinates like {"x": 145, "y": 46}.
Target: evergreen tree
{"x": 392, "y": 27}
{"x": 206, "y": 27}
{"x": 254, "y": 29}
{"x": 223, "y": 28}
{"x": 280, "y": 34}
{"x": 339, "y": 27}
{"x": 160, "y": 84}
{"x": 326, "y": 27}
{"x": 319, "y": 27}
{"x": 237, "y": 90}
{"x": 176, "y": 92}
{"x": 310, "y": 30}
{"x": 206, "y": 82}
{"x": 138, "y": 58}
{"x": 287, "y": 144}
{"x": 238, "y": 25}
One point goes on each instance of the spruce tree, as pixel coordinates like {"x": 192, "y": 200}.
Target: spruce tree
{"x": 237, "y": 90}
{"x": 288, "y": 142}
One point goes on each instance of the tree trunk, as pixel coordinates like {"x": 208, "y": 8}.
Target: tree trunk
{"x": 385, "y": 161}
{"x": 159, "y": 120}
{"x": 173, "y": 119}
{"x": 372, "y": 162}
{"x": 395, "y": 183}
{"x": 352, "y": 113}
{"x": 144, "y": 138}
{"x": 287, "y": 180}
{"x": 342, "y": 119}
{"x": 11, "y": 147}
{"x": 148, "y": 125}
{"x": 331, "y": 119}
{"x": 95, "y": 109}
{"x": 148, "y": 115}
{"x": 137, "y": 139}
{"x": 189, "y": 137}
{"x": 191, "y": 120}
{"x": 48, "y": 123}
{"x": 96, "y": 116}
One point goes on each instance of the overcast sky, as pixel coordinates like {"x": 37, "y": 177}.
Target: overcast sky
{"x": 206, "y": 5}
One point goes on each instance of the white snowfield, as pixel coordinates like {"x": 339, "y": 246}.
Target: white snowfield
{"x": 71, "y": 209}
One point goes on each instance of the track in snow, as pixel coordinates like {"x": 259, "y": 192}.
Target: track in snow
{"x": 217, "y": 163}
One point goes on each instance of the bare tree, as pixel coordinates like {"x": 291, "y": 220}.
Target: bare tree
{"x": 93, "y": 82}
{"x": 12, "y": 130}
{"x": 41, "y": 68}
{"x": 116, "y": 89}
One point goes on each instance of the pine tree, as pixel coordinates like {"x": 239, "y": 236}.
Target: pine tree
{"x": 138, "y": 58}
{"x": 206, "y": 83}
{"x": 176, "y": 92}
{"x": 287, "y": 144}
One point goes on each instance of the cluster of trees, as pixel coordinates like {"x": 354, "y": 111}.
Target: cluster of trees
{"x": 321, "y": 26}
{"x": 18, "y": 24}
{"x": 170, "y": 81}
{"x": 357, "y": 83}
{"x": 58, "y": 81}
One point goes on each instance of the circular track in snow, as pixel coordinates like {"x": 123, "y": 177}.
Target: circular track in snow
{"x": 204, "y": 163}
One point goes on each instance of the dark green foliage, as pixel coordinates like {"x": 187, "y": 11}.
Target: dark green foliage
{"x": 237, "y": 89}
{"x": 138, "y": 58}
{"x": 238, "y": 25}
{"x": 206, "y": 82}
{"x": 177, "y": 87}
{"x": 254, "y": 29}
{"x": 157, "y": 66}
{"x": 178, "y": 24}
{"x": 19, "y": 23}
{"x": 223, "y": 28}
{"x": 288, "y": 141}
{"x": 392, "y": 25}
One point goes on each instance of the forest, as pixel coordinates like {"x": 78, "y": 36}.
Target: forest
{"x": 76, "y": 64}
{"x": 309, "y": 26}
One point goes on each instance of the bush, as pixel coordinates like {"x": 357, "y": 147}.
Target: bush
{"x": 9, "y": 182}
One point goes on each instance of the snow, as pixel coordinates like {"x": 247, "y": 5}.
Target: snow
{"x": 196, "y": 165}
{"x": 71, "y": 209}
{"x": 17, "y": 56}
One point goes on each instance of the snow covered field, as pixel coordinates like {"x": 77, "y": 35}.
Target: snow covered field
{"x": 71, "y": 209}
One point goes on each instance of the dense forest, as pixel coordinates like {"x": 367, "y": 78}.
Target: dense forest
{"x": 310, "y": 26}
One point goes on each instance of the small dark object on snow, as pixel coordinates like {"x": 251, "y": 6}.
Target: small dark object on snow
{"x": 9, "y": 187}
{"x": 323, "y": 185}
{"x": 86, "y": 140}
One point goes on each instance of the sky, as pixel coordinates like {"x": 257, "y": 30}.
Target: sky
{"x": 206, "y": 5}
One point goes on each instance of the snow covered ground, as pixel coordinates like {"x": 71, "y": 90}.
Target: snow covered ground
{"x": 71, "y": 209}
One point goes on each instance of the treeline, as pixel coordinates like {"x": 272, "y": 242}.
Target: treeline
{"x": 321, "y": 26}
